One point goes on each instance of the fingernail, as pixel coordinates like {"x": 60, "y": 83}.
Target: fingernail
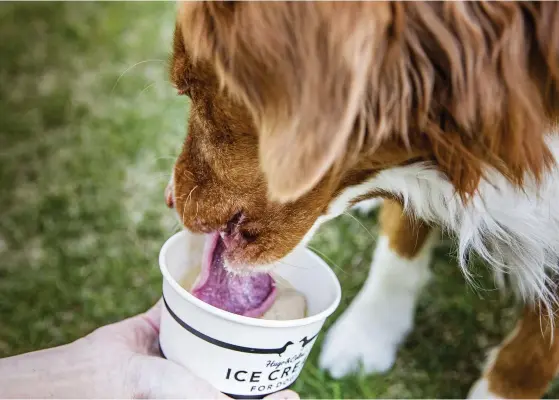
{"x": 284, "y": 395}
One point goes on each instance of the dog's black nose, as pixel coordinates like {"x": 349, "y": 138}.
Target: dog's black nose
{"x": 234, "y": 235}
{"x": 233, "y": 224}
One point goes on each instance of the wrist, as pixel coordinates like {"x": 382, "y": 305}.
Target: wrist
{"x": 75, "y": 370}
{"x": 34, "y": 374}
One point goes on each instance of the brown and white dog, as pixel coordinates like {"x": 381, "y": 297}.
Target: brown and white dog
{"x": 447, "y": 111}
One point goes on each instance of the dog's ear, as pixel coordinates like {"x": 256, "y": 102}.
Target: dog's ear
{"x": 301, "y": 68}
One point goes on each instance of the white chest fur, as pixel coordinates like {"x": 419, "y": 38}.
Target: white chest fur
{"x": 516, "y": 231}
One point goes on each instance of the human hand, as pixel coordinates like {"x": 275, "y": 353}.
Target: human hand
{"x": 120, "y": 360}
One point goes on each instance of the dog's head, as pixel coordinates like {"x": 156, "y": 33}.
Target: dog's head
{"x": 293, "y": 103}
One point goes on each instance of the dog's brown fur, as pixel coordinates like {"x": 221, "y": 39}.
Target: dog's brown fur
{"x": 472, "y": 84}
{"x": 528, "y": 360}
{"x": 466, "y": 85}
{"x": 294, "y": 102}
{"x": 405, "y": 235}
{"x": 218, "y": 176}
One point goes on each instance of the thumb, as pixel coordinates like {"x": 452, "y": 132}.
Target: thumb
{"x": 158, "y": 378}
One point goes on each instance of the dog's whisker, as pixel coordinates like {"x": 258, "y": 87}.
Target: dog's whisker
{"x": 165, "y": 158}
{"x": 190, "y": 174}
{"x": 189, "y": 198}
{"x": 183, "y": 209}
{"x": 361, "y": 224}
{"x": 130, "y": 68}
{"x": 290, "y": 265}
{"x": 327, "y": 258}
{"x": 176, "y": 227}
{"x": 160, "y": 175}
{"x": 146, "y": 88}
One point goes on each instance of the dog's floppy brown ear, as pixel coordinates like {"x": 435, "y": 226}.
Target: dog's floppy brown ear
{"x": 301, "y": 72}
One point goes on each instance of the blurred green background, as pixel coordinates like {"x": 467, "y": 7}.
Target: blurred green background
{"x": 89, "y": 128}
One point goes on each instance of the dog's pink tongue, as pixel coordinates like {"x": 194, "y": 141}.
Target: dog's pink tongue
{"x": 250, "y": 295}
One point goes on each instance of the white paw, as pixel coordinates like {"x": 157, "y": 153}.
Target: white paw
{"x": 480, "y": 390}
{"x": 368, "y": 334}
{"x": 359, "y": 340}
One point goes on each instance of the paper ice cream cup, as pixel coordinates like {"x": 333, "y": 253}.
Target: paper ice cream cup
{"x": 240, "y": 356}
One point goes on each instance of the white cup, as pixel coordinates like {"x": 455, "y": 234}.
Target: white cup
{"x": 240, "y": 356}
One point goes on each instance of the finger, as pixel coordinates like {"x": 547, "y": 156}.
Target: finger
{"x": 157, "y": 378}
{"x": 153, "y": 315}
{"x": 285, "y": 395}
{"x": 141, "y": 332}
{"x": 148, "y": 329}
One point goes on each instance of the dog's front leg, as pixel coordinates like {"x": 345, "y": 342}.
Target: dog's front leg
{"x": 524, "y": 365}
{"x": 381, "y": 315}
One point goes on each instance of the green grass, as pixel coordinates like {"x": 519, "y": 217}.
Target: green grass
{"x": 89, "y": 127}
